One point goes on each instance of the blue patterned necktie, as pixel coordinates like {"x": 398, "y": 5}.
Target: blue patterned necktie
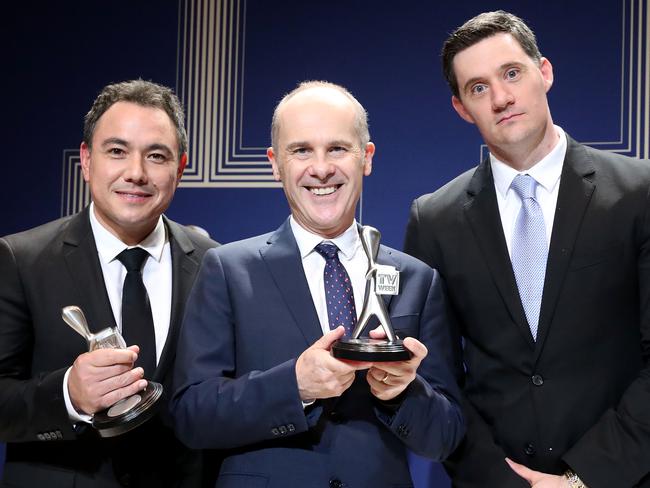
{"x": 529, "y": 250}
{"x": 338, "y": 289}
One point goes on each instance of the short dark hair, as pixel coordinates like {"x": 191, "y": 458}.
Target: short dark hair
{"x": 480, "y": 27}
{"x": 141, "y": 92}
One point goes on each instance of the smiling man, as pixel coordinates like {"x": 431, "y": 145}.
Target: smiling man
{"x": 133, "y": 154}
{"x": 254, "y": 373}
{"x": 544, "y": 250}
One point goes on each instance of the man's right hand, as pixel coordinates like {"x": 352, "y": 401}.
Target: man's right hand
{"x": 322, "y": 376}
{"x": 100, "y": 378}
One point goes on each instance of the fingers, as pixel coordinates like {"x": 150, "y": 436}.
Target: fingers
{"x": 378, "y": 333}
{"x": 522, "y": 471}
{"x": 100, "y": 378}
{"x": 328, "y": 339}
{"x": 416, "y": 348}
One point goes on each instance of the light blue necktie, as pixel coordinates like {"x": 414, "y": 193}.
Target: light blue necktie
{"x": 529, "y": 250}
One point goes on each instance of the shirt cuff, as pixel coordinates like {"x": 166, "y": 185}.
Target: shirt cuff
{"x": 73, "y": 415}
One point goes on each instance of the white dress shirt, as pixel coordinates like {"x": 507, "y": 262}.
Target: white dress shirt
{"x": 156, "y": 275}
{"x": 351, "y": 255}
{"x": 546, "y": 172}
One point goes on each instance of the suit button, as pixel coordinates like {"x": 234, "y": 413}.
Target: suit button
{"x": 291, "y": 427}
{"x": 275, "y": 431}
{"x": 530, "y": 449}
{"x": 283, "y": 430}
{"x": 334, "y": 483}
{"x": 40, "y": 437}
{"x": 537, "y": 380}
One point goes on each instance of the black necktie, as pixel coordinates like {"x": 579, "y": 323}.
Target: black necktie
{"x": 137, "y": 321}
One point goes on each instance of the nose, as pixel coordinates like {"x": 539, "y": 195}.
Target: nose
{"x": 135, "y": 170}
{"x": 502, "y": 97}
{"x": 322, "y": 168}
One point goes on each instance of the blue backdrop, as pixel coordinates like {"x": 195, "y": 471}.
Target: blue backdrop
{"x": 232, "y": 60}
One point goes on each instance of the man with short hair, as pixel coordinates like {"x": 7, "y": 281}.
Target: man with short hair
{"x": 254, "y": 373}
{"x": 544, "y": 251}
{"x": 133, "y": 154}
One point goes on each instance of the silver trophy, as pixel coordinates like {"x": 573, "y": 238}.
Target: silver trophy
{"x": 358, "y": 348}
{"x": 129, "y": 412}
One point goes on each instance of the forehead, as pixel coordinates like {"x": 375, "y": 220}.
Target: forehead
{"x": 487, "y": 56}
{"x": 317, "y": 114}
{"x": 129, "y": 121}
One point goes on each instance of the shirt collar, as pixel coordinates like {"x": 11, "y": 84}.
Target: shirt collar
{"x": 348, "y": 242}
{"x": 109, "y": 246}
{"x": 546, "y": 172}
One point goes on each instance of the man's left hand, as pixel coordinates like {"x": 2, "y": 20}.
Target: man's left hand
{"x": 538, "y": 479}
{"x": 387, "y": 380}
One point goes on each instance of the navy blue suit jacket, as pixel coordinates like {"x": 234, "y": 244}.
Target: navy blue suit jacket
{"x": 248, "y": 318}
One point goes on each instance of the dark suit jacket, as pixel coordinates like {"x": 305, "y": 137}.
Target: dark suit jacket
{"x": 43, "y": 270}
{"x": 248, "y": 318}
{"x": 580, "y": 395}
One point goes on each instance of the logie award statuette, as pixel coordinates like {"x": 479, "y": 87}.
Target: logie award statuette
{"x": 129, "y": 412}
{"x": 381, "y": 280}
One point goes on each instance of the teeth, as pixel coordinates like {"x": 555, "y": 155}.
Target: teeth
{"x": 323, "y": 191}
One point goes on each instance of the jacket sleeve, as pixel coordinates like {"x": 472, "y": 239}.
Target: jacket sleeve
{"x": 31, "y": 406}
{"x": 211, "y": 407}
{"x": 429, "y": 420}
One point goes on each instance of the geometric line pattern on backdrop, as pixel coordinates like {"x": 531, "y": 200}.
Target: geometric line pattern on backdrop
{"x": 633, "y": 138}
{"x": 75, "y": 194}
{"x": 210, "y": 83}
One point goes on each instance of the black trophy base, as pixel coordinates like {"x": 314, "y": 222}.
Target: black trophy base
{"x": 367, "y": 349}
{"x": 128, "y": 413}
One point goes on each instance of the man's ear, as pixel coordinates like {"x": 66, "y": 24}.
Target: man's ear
{"x": 181, "y": 167}
{"x": 367, "y": 158}
{"x": 460, "y": 109}
{"x": 84, "y": 153}
{"x": 274, "y": 164}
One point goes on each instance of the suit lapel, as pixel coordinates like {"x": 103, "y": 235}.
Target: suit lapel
{"x": 82, "y": 261}
{"x": 576, "y": 189}
{"x": 184, "y": 269}
{"x": 282, "y": 258}
{"x": 482, "y": 212}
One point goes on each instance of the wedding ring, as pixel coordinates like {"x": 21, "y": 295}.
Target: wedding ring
{"x": 383, "y": 380}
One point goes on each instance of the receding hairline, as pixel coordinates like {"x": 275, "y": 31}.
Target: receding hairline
{"x": 360, "y": 114}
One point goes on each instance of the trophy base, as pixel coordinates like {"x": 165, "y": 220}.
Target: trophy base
{"x": 367, "y": 349}
{"x": 128, "y": 413}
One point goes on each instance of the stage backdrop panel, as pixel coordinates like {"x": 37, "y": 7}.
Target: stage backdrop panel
{"x": 232, "y": 60}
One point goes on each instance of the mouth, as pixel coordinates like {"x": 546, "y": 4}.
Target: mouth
{"x": 323, "y": 190}
{"x": 133, "y": 194}
{"x": 508, "y": 117}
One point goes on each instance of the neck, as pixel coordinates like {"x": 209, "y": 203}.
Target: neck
{"x": 522, "y": 158}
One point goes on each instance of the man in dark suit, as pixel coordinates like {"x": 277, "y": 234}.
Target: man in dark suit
{"x": 254, "y": 374}
{"x": 132, "y": 156}
{"x": 555, "y": 332}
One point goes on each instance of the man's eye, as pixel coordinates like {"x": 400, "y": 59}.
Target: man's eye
{"x": 478, "y": 89}
{"x": 116, "y": 151}
{"x": 157, "y": 157}
{"x": 300, "y": 152}
{"x": 512, "y": 74}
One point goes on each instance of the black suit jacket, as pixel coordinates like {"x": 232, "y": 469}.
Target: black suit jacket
{"x": 41, "y": 271}
{"x": 580, "y": 395}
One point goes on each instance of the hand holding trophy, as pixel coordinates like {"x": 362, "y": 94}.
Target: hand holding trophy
{"x": 381, "y": 280}
{"x": 129, "y": 412}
